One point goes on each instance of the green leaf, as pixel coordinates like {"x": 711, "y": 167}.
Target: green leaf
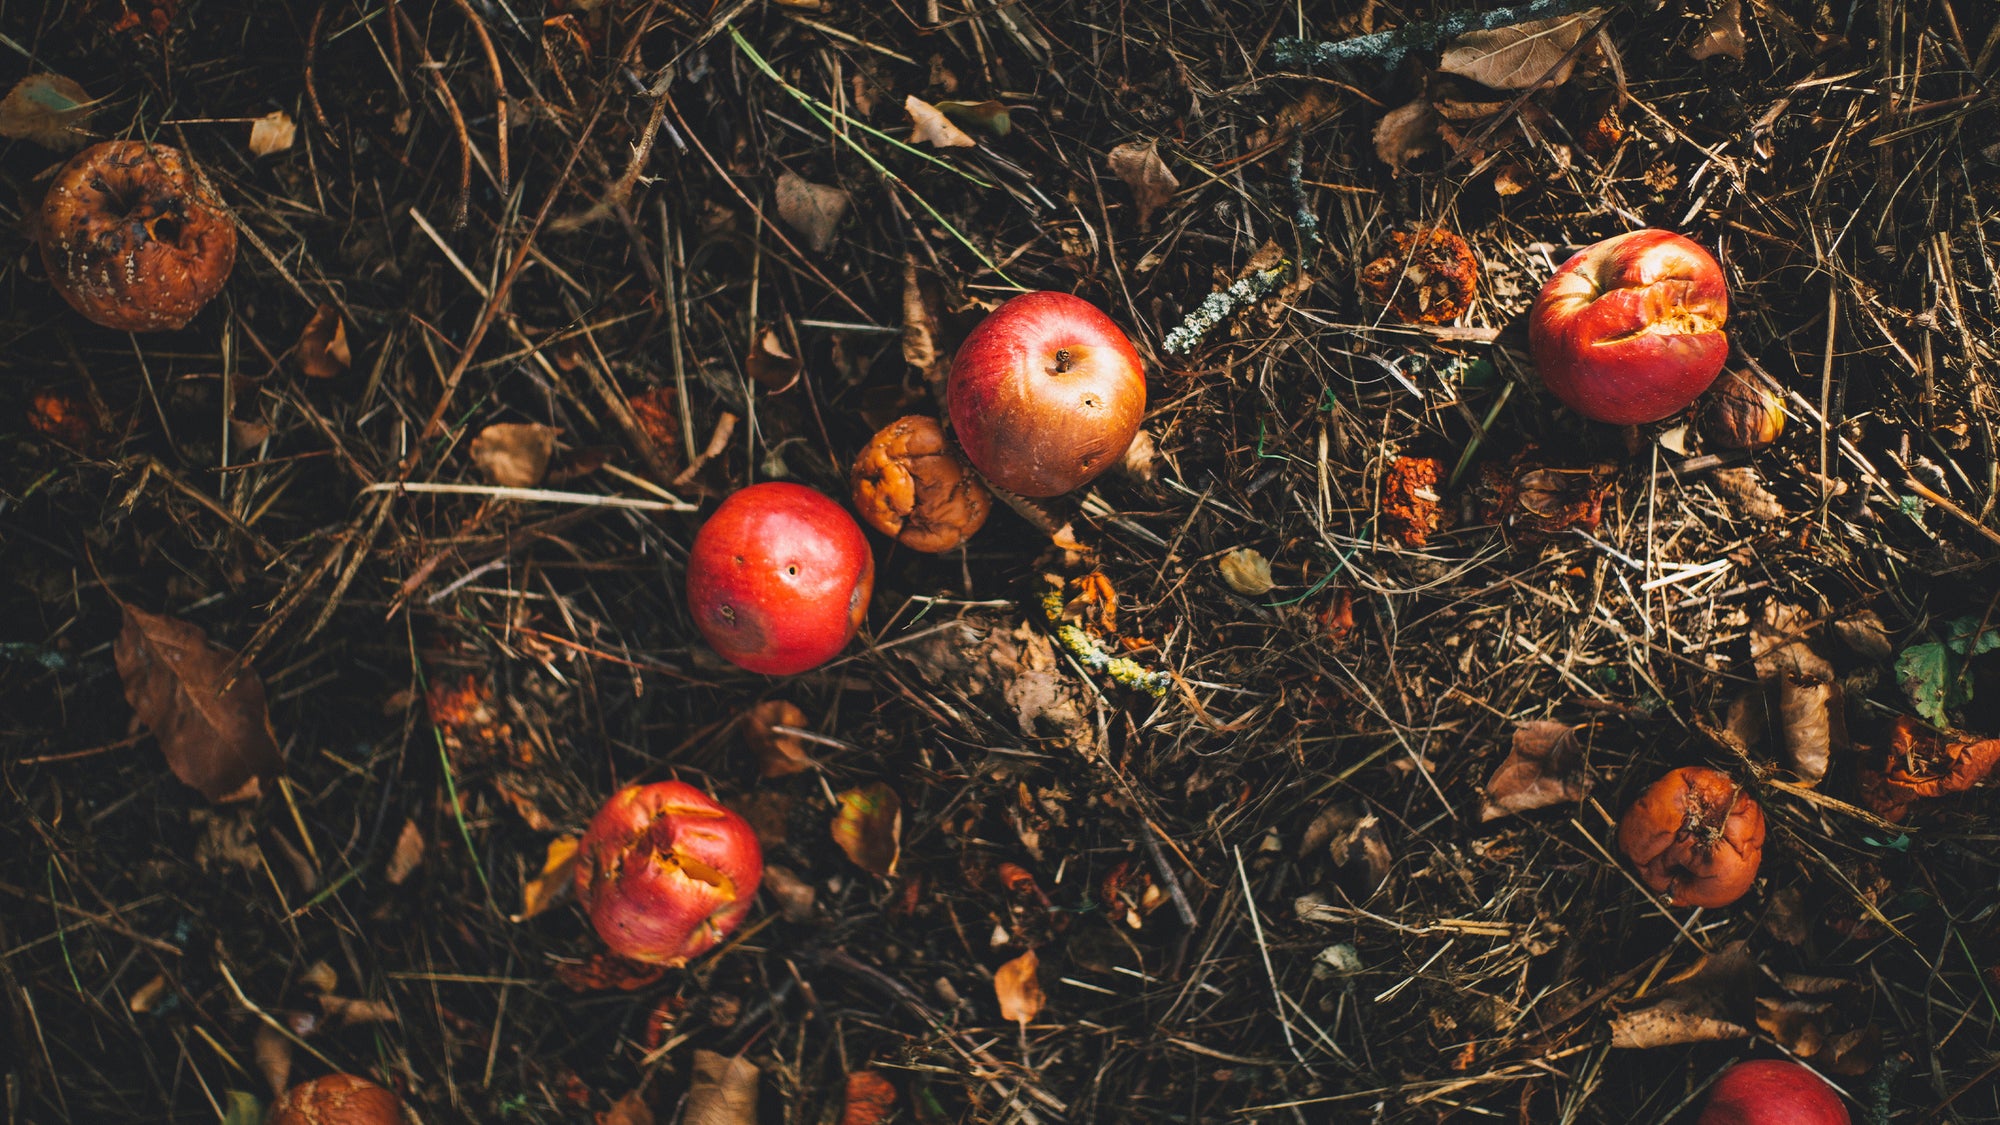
{"x": 244, "y": 1109}
{"x": 1968, "y": 639}
{"x": 1930, "y": 677}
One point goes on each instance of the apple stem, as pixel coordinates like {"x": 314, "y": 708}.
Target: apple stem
{"x": 1062, "y": 360}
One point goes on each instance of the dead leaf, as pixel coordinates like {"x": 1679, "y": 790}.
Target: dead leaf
{"x": 1405, "y": 133}
{"x": 1516, "y": 57}
{"x": 1316, "y": 105}
{"x": 320, "y": 977}
{"x": 922, "y": 345}
{"x": 769, "y": 365}
{"x": 356, "y": 1011}
{"x": 1534, "y": 500}
{"x": 1743, "y": 490}
{"x": 271, "y": 133}
{"x": 795, "y": 896}
{"x": 1785, "y": 916}
{"x": 870, "y": 1099}
{"x": 1812, "y": 716}
{"x": 932, "y": 127}
{"x": 1723, "y": 34}
{"x": 48, "y": 109}
{"x": 1708, "y": 1002}
{"x": 814, "y": 210}
{"x": 557, "y": 879}
{"x": 1247, "y": 571}
{"x": 1012, "y": 672}
{"x": 206, "y": 711}
{"x": 408, "y": 854}
{"x": 274, "y": 1057}
{"x": 1353, "y": 838}
{"x": 778, "y": 755}
{"x": 1019, "y": 989}
{"x": 148, "y": 995}
{"x": 723, "y": 1091}
{"x": 988, "y": 115}
{"x": 1865, "y": 633}
{"x": 1138, "y": 163}
{"x": 514, "y": 454}
{"x": 1542, "y": 769}
{"x": 322, "y": 350}
{"x": 632, "y": 1109}
{"x": 63, "y": 417}
{"x": 868, "y": 826}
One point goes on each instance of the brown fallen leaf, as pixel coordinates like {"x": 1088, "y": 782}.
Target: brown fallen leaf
{"x": 1722, "y": 34}
{"x": 1405, "y": 133}
{"x": 348, "y": 1011}
{"x": 795, "y": 896}
{"x": 149, "y": 994}
{"x": 1810, "y": 709}
{"x": 932, "y": 127}
{"x": 1709, "y": 1001}
{"x": 870, "y": 1098}
{"x": 991, "y": 116}
{"x": 632, "y": 1109}
{"x": 1138, "y": 163}
{"x": 1516, "y": 57}
{"x": 769, "y": 365}
{"x": 48, "y": 109}
{"x": 557, "y": 879}
{"x": 514, "y": 454}
{"x": 868, "y": 826}
{"x": 1543, "y": 768}
{"x": 322, "y": 349}
{"x": 923, "y": 347}
{"x": 206, "y": 711}
{"x": 778, "y": 755}
{"x": 1018, "y": 986}
{"x": 271, "y": 133}
{"x": 1865, "y": 634}
{"x": 1534, "y": 500}
{"x": 1354, "y": 840}
{"x": 274, "y": 1057}
{"x": 1743, "y": 490}
{"x": 1247, "y": 572}
{"x": 408, "y": 854}
{"x": 723, "y": 1091}
{"x": 1318, "y": 104}
{"x": 814, "y": 210}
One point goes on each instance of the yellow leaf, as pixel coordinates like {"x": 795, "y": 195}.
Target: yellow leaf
{"x": 868, "y": 826}
{"x": 271, "y": 133}
{"x": 558, "y": 875}
{"x": 1019, "y": 988}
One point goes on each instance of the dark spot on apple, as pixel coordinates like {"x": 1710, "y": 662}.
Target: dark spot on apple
{"x": 739, "y": 560}
{"x": 792, "y": 571}
{"x": 1093, "y": 402}
{"x": 727, "y": 612}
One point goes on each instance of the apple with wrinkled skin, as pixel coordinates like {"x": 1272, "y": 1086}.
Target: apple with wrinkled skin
{"x": 1045, "y": 394}
{"x": 1771, "y": 1092}
{"x": 665, "y": 873}
{"x": 779, "y": 578}
{"x": 337, "y": 1099}
{"x": 1696, "y": 837}
{"x": 1629, "y": 330}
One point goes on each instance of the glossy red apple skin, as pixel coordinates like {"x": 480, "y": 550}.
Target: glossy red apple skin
{"x": 1771, "y": 1092}
{"x": 779, "y": 578}
{"x": 1045, "y": 394}
{"x": 1629, "y": 330}
{"x": 665, "y": 873}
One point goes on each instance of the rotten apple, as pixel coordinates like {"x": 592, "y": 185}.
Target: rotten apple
{"x": 1771, "y": 1092}
{"x": 1045, "y": 394}
{"x": 909, "y": 483}
{"x": 779, "y": 578}
{"x": 1629, "y": 330}
{"x": 1695, "y": 836}
{"x": 665, "y": 873}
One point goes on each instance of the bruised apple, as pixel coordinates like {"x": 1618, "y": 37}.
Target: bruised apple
{"x": 779, "y": 578}
{"x": 665, "y": 873}
{"x": 337, "y": 1099}
{"x": 1629, "y": 330}
{"x": 1695, "y": 836}
{"x": 1771, "y": 1092}
{"x": 1045, "y": 394}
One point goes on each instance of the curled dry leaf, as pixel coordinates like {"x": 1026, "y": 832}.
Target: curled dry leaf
{"x": 1534, "y": 500}
{"x": 868, "y": 826}
{"x": 1722, "y": 34}
{"x": 1743, "y": 490}
{"x": 271, "y": 133}
{"x": 408, "y": 854}
{"x": 1426, "y": 276}
{"x": 795, "y": 896}
{"x": 723, "y": 1091}
{"x": 274, "y": 1057}
{"x": 922, "y": 345}
{"x": 1811, "y": 710}
{"x": 1247, "y": 571}
{"x": 1318, "y": 104}
{"x": 769, "y": 365}
{"x": 777, "y": 754}
{"x": 48, "y": 109}
{"x": 1919, "y": 764}
{"x": 323, "y": 351}
{"x": 1138, "y": 163}
{"x": 1018, "y": 986}
{"x": 346, "y": 1011}
{"x": 1517, "y": 57}
{"x": 932, "y": 127}
{"x": 1354, "y": 840}
{"x": 1405, "y": 133}
{"x": 1865, "y": 634}
{"x": 206, "y": 710}
{"x": 1411, "y": 506}
{"x": 1710, "y": 1001}
{"x": 514, "y": 454}
{"x": 1544, "y": 767}
{"x": 814, "y": 210}
{"x": 870, "y": 1099}
{"x": 632, "y": 1109}
{"x": 557, "y": 878}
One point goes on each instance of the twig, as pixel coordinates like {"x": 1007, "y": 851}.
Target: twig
{"x": 538, "y": 494}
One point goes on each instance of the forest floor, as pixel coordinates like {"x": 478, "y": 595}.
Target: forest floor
{"x": 1298, "y": 885}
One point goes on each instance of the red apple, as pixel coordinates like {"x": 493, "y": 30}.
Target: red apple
{"x": 779, "y": 578}
{"x": 1629, "y": 330}
{"x": 1771, "y": 1092}
{"x": 1045, "y": 394}
{"x": 666, "y": 873}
